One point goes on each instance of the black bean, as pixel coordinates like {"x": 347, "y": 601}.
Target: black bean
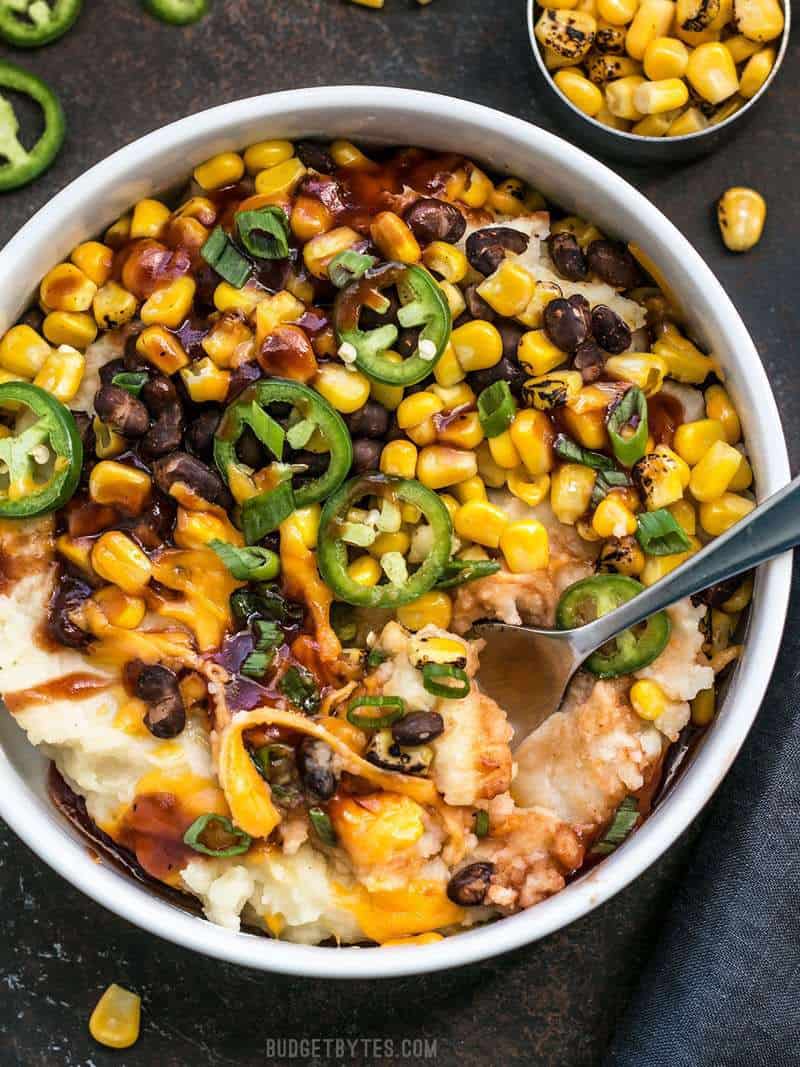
{"x": 407, "y": 342}
{"x": 430, "y": 219}
{"x": 131, "y": 358}
{"x": 511, "y": 333}
{"x": 250, "y": 450}
{"x": 316, "y": 463}
{"x": 582, "y": 305}
{"x": 122, "y": 411}
{"x": 477, "y": 306}
{"x": 418, "y": 728}
{"x": 110, "y": 370}
{"x": 487, "y": 248}
{"x": 164, "y": 435}
{"x": 158, "y": 687}
{"x": 507, "y": 370}
{"x": 201, "y": 430}
{"x": 315, "y": 155}
{"x": 33, "y": 317}
{"x": 242, "y": 376}
{"x": 68, "y": 595}
{"x": 85, "y": 430}
{"x": 589, "y": 360}
{"x": 155, "y": 525}
{"x": 610, "y": 330}
{"x": 370, "y": 421}
{"x": 158, "y": 394}
{"x": 613, "y": 263}
{"x": 567, "y": 256}
{"x": 366, "y": 455}
{"x": 181, "y": 467}
{"x": 468, "y": 887}
{"x": 317, "y": 769}
{"x": 565, "y": 324}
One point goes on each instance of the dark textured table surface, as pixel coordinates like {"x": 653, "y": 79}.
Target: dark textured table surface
{"x": 121, "y": 74}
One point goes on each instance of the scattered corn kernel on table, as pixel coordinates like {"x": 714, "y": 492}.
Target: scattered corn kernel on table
{"x": 121, "y": 74}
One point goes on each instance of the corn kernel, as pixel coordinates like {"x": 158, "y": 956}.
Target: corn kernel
{"x": 713, "y": 474}
{"x": 580, "y": 92}
{"x": 74, "y": 328}
{"x": 394, "y": 238}
{"x": 431, "y": 609}
{"x": 472, "y": 489}
{"x": 651, "y": 98}
{"x": 226, "y": 168}
{"x": 531, "y": 490}
{"x": 758, "y": 20}
{"x": 685, "y": 362}
{"x": 509, "y": 290}
{"x": 446, "y": 260}
{"x": 508, "y": 197}
{"x": 115, "y": 1020}
{"x": 658, "y": 567}
{"x": 266, "y": 154}
{"x": 648, "y": 699}
{"x": 588, "y": 428}
{"x": 665, "y": 57}
{"x": 399, "y": 458}
{"x": 653, "y": 19}
{"x": 684, "y": 514}
{"x": 570, "y": 34}
{"x": 655, "y": 125}
{"x": 23, "y": 352}
{"x": 162, "y": 349}
{"x": 61, "y": 373}
{"x": 195, "y": 529}
{"x": 280, "y": 181}
{"x": 198, "y": 207}
{"x": 465, "y": 431}
{"x": 693, "y": 439}
{"x": 662, "y": 477}
{"x": 543, "y": 294}
{"x": 493, "y": 476}
{"x": 390, "y": 542}
{"x": 623, "y": 555}
{"x": 67, "y": 288}
{"x": 571, "y": 492}
{"x": 418, "y": 407}
{"x": 206, "y": 382}
{"x": 439, "y": 466}
{"x": 548, "y": 391}
{"x": 307, "y": 521}
{"x": 246, "y": 300}
{"x": 170, "y": 305}
{"x": 366, "y": 571}
{"x": 477, "y": 345}
{"x": 741, "y": 48}
{"x": 346, "y": 155}
{"x": 344, "y": 389}
{"x": 691, "y": 121}
{"x": 758, "y": 69}
{"x": 120, "y": 608}
{"x": 504, "y": 452}
{"x": 712, "y": 73}
{"x": 149, "y": 219}
{"x": 537, "y": 352}
{"x": 479, "y": 521}
{"x": 741, "y": 213}
{"x": 319, "y": 251}
{"x": 113, "y": 306}
{"x": 612, "y": 519}
{"x": 477, "y": 187}
{"x": 309, "y": 218}
{"x": 620, "y": 96}
{"x": 118, "y": 559}
{"x": 617, "y": 12}
{"x": 719, "y": 406}
{"x": 95, "y": 260}
{"x": 276, "y": 310}
{"x": 223, "y": 342}
{"x": 717, "y": 516}
{"x": 525, "y": 546}
{"x": 533, "y": 435}
{"x": 118, "y": 233}
{"x": 389, "y": 396}
{"x": 77, "y": 550}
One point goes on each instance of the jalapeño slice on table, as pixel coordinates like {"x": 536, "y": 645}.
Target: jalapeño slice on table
{"x": 590, "y": 598}
{"x": 22, "y": 165}
{"x": 33, "y": 23}
{"x": 40, "y": 460}
{"x": 422, "y": 304}
{"x": 177, "y": 12}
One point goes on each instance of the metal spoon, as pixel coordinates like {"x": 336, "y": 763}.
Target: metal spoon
{"x": 527, "y": 670}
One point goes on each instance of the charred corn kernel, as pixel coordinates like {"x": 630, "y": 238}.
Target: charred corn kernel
{"x": 162, "y": 349}
{"x": 95, "y": 260}
{"x": 75, "y": 328}
{"x": 741, "y": 213}
{"x": 538, "y": 352}
{"x": 568, "y": 33}
{"x": 651, "y": 98}
{"x": 605, "y": 68}
{"x": 61, "y": 373}
{"x": 648, "y": 699}
{"x": 723, "y": 17}
{"x": 504, "y": 452}
{"x": 206, "y": 382}
{"x": 531, "y": 490}
{"x": 472, "y": 489}
{"x": 448, "y": 371}
{"x": 532, "y": 435}
{"x": 685, "y": 361}
{"x": 684, "y": 514}
{"x": 695, "y": 15}
{"x": 171, "y": 305}
{"x": 465, "y": 431}
{"x": 588, "y": 428}
{"x": 665, "y": 58}
{"x": 623, "y": 555}
{"x": 121, "y": 609}
{"x": 439, "y": 466}
{"x": 320, "y": 250}
{"x": 347, "y": 156}
{"x": 246, "y": 300}
{"x": 693, "y": 439}
{"x": 67, "y": 288}
{"x": 704, "y": 707}
{"x": 400, "y": 459}
{"x": 658, "y": 567}
{"x": 758, "y": 20}
{"x": 118, "y": 559}
{"x": 493, "y": 476}
{"x": 509, "y": 290}
{"x": 23, "y": 351}
{"x": 118, "y": 233}
{"x": 713, "y": 474}
{"x": 758, "y": 69}
{"x": 554, "y": 61}
{"x": 346, "y": 390}
{"x": 652, "y": 19}
{"x": 581, "y": 92}
{"x": 280, "y": 181}
{"x": 481, "y": 522}
{"x": 571, "y": 492}
{"x": 610, "y": 41}
{"x": 195, "y": 529}
{"x": 712, "y": 73}
{"x": 149, "y": 219}
{"x": 719, "y": 407}
{"x": 390, "y": 542}
{"x": 226, "y": 168}
{"x": 418, "y": 407}
{"x": 113, "y": 306}
{"x": 431, "y": 609}
{"x": 508, "y": 197}
{"x": 116, "y": 1019}
{"x": 548, "y": 391}
{"x": 394, "y": 238}
{"x": 694, "y": 38}
{"x": 366, "y": 571}
{"x": 741, "y": 47}
{"x": 446, "y": 260}
{"x": 391, "y": 395}
{"x": 619, "y": 97}
{"x": 225, "y": 339}
{"x": 107, "y": 442}
{"x": 717, "y": 516}
{"x": 309, "y": 218}
{"x": 266, "y": 154}
{"x": 612, "y": 519}
{"x": 660, "y": 478}
{"x": 477, "y": 345}
{"x": 617, "y": 12}
{"x": 691, "y": 121}
{"x": 525, "y": 546}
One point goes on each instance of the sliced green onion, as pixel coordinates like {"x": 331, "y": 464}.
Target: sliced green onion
{"x": 461, "y": 571}
{"x": 349, "y": 266}
{"x": 432, "y": 671}
{"x": 628, "y": 427}
{"x": 131, "y": 381}
{"x": 376, "y": 658}
{"x": 257, "y": 664}
{"x": 301, "y": 433}
{"x": 387, "y": 710}
{"x": 247, "y": 564}
{"x": 605, "y": 482}
{"x": 264, "y": 513}
{"x": 267, "y": 430}
{"x": 269, "y": 756}
{"x": 343, "y": 622}
{"x": 481, "y": 823}
{"x": 624, "y": 821}
{"x": 298, "y": 686}
{"x": 221, "y": 254}
{"x": 264, "y": 232}
{"x": 321, "y": 822}
{"x": 496, "y": 409}
{"x": 268, "y": 635}
{"x": 202, "y": 822}
{"x": 567, "y": 449}
{"x": 660, "y": 534}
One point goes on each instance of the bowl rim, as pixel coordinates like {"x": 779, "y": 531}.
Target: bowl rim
{"x": 34, "y": 821}
{"x": 638, "y": 138}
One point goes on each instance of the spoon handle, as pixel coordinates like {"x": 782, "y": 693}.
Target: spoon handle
{"x": 772, "y": 528}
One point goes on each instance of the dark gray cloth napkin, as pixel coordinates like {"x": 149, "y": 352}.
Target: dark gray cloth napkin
{"x": 722, "y": 988}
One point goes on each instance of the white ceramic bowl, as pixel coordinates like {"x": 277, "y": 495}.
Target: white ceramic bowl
{"x": 579, "y": 183}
